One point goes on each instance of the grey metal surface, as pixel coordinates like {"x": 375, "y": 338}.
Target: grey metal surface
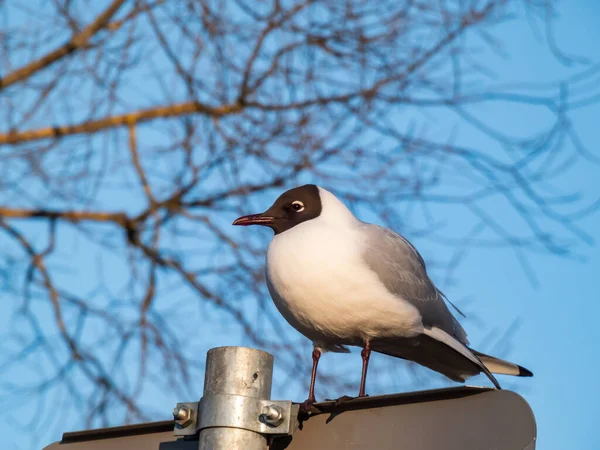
{"x": 462, "y": 418}
{"x": 498, "y": 420}
{"x": 231, "y": 439}
{"x": 233, "y": 371}
{"x": 239, "y": 370}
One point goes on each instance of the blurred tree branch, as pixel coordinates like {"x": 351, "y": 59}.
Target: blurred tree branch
{"x": 78, "y": 41}
{"x": 128, "y": 144}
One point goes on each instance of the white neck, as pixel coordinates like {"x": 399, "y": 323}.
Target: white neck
{"x": 334, "y": 211}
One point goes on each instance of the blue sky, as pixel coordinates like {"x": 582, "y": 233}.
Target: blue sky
{"x": 558, "y": 335}
{"x": 557, "y": 331}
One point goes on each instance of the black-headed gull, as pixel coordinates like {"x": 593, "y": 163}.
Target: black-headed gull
{"x": 340, "y": 281}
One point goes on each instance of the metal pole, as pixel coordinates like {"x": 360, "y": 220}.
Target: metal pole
{"x": 236, "y": 371}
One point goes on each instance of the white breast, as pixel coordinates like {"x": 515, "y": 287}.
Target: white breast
{"x": 320, "y": 284}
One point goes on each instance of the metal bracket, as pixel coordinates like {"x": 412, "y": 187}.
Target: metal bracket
{"x": 249, "y": 413}
{"x": 236, "y": 411}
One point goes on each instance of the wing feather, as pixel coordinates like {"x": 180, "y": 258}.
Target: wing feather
{"x": 442, "y": 336}
{"x": 402, "y": 270}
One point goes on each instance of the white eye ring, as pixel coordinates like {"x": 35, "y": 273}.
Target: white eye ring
{"x": 297, "y": 206}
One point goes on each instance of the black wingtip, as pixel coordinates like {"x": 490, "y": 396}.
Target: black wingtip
{"x": 523, "y": 372}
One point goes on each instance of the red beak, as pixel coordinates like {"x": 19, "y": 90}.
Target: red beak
{"x": 254, "y": 219}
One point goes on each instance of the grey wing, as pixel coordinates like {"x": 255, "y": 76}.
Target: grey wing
{"x": 402, "y": 270}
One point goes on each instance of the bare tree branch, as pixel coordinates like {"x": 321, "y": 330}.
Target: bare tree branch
{"x": 123, "y": 120}
{"x": 77, "y": 42}
{"x": 126, "y": 151}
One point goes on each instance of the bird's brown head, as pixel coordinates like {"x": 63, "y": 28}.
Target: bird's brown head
{"x": 290, "y": 209}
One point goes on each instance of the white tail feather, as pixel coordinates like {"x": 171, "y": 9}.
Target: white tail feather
{"x": 440, "y": 335}
{"x": 500, "y": 366}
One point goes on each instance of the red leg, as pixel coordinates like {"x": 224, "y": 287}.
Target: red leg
{"x": 365, "y": 354}
{"x": 316, "y": 354}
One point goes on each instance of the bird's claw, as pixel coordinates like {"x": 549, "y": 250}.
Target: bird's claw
{"x": 340, "y": 400}
{"x": 306, "y": 405}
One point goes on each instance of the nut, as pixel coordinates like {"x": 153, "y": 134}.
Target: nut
{"x": 271, "y": 415}
{"x": 182, "y": 415}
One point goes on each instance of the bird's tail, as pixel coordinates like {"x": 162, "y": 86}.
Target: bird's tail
{"x": 502, "y": 367}
{"x": 469, "y": 355}
{"x": 445, "y": 354}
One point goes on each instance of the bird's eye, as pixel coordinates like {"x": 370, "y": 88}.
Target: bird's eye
{"x": 297, "y": 206}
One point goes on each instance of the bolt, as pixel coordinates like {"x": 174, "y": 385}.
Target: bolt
{"x": 272, "y": 415}
{"x": 181, "y": 413}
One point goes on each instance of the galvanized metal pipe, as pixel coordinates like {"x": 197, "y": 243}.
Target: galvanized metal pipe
{"x": 236, "y": 371}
